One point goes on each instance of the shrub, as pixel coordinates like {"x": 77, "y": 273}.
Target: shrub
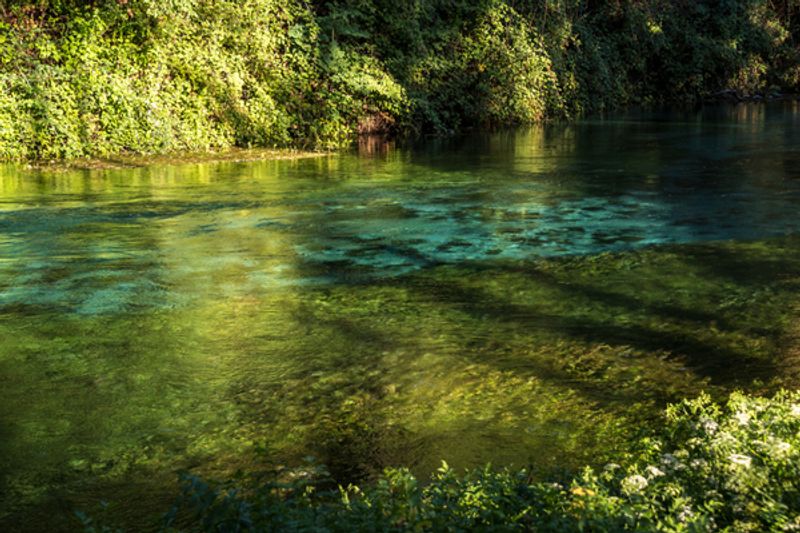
{"x": 109, "y": 76}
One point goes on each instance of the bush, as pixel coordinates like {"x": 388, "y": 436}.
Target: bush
{"x": 734, "y": 467}
{"x": 108, "y": 76}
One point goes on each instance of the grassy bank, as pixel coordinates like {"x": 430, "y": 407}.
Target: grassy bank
{"x": 95, "y": 79}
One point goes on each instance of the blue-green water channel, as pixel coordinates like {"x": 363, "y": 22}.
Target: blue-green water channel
{"x": 525, "y": 298}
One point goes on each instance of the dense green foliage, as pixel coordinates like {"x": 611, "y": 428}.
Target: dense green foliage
{"x": 109, "y": 76}
{"x": 733, "y": 468}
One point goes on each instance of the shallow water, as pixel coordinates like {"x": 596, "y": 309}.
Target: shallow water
{"x": 526, "y": 298}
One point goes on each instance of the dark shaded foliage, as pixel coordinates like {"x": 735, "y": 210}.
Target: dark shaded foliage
{"x": 109, "y": 76}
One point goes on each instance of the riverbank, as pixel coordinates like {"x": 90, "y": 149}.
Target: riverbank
{"x": 93, "y": 80}
{"x": 127, "y": 161}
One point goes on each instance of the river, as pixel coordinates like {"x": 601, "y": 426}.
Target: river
{"x": 526, "y": 298}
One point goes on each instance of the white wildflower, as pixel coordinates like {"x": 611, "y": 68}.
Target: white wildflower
{"x": 795, "y": 409}
{"x": 698, "y": 463}
{"x": 742, "y": 417}
{"x": 634, "y": 483}
{"x": 653, "y": 471}
{"x": 709, "y": 425}
{"x": 671, "y": 462}
{"x": 779, "y": 447}
{"x": 724, "y": 438}
{"x": 685, "y": 514}
{"x": 739, "y": 459}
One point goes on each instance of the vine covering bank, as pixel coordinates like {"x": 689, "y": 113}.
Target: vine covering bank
{"x": 92, "y": 79}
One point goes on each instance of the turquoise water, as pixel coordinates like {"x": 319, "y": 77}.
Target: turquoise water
{"x": 605, "y": 185}
{"x": 525, "y": 297}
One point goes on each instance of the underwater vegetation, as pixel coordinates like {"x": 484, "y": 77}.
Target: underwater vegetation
{"x": 551, "y": 366}
{"x": 710, "y": 467}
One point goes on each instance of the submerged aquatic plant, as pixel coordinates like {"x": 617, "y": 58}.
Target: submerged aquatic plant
{"x": 734, "y": 482}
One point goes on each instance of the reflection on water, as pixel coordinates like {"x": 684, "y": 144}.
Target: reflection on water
{"x": 523, "y": 297}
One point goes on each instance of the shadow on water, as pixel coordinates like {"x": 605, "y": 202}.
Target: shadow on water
{"x": 723, "y": 365}
{"x": 615, "y": 332}
{"x": 343, "y": 389}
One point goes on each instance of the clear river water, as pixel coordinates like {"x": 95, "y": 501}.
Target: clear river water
{"x": 525, "y": 298}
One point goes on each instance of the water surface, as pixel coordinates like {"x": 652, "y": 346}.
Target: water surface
{"x": 525, "y": 298}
